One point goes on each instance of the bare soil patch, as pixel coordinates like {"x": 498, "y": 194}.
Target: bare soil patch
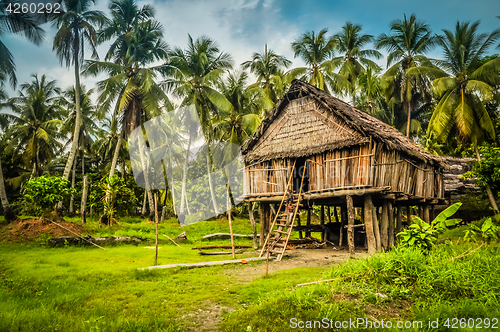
{"x": 25, "y": 230}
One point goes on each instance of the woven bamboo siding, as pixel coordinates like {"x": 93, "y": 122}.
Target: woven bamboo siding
{"x": 267, "y": 177}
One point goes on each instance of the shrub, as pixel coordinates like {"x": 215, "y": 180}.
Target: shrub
{"x": 422, "y": 235}
{"x": 46, "y": 191}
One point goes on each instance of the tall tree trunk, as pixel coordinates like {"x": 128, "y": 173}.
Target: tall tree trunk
{"x": 76, "y": 132}
{"x": 408, "y": 121}
{"x": 229, "y": 218}
{"x": 84, "y": 199}
{"x": 369, "y": 227}
{"x": 143, "y": 211}
{"x": 491, "y": 197}
{"x": 115, "y": 156}
{"x": 210, "y": 183}
{"x": 72, "y": 199}
{"x": 8, "y": 213}
{"x": 171, "y": 177}
{"x": 184, "y": 178}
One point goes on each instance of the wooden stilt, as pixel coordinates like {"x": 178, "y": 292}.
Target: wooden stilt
{"x": 368, "y": 217}
{"x": 343, "y": 222}
{"x": 350, "y": 223}
{"x": 252, "y": 221}
{"x": 391, "y": 224}
{"x": 399, "y": 224}
{"x": 426, "y": 212}
{"x": 264, "y": 207}
{"x": 308, "y": 223}
{"x": 329, "y": 215}
{"x": 376, "y": 230}
{"x": 335, "y": 213}
{"x": 384, "y": 226}
{"x": 408, "y": 215}
{"x": 322, "y": 222}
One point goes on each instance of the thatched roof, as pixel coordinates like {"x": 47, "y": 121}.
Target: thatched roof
{"x": 333, "y": 124}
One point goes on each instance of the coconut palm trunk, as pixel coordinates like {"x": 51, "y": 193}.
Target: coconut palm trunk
{"x": 115, "y": 156}
{"x": 408, "y": 120}
{"x": 491, "y": 197}
{"x": 143, "y": 211}
{"x": 76, "y": 133}
{"x": 8, "y": 213}
{"x": 145, "y": 168}
{"x": 184, "y": 178}
{"x": 72, "y": 199}
{"x": 171, "y": 177}
{"x": 210, "y": 183}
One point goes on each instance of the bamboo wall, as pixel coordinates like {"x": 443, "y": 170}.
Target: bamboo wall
{"x": 361, "y": 166}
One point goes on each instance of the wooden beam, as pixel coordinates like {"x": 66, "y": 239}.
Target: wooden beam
{"x": 343, "y": 222}
{"x": 368, "y": 217}
{"x": 384, "y": 226}
{"x": 399, "y": 217}
{"x": 391, "y": 224}
{"x": 426, "y": 217}
{"x": 376, "y": 230}
{"x": 322, "y": 223}
{"x": 252, "y": 221}
{"x": 350, "y": 222}
{"x": 308, "y": 222}
{"x": 408, "y": 214}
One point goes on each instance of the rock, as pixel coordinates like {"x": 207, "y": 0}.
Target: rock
{"x": 181, "y": 237}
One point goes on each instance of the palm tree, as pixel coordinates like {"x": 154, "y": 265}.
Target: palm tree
{"x": 409, "y": 40}
{"x": 464, "y": 85}
{"x": 36, "y": 120}
{"x": 370, "y": 84}
{"x": 243, "y": 119}
{"x": 76, "y": 26}
{"x": 268, "y": 67}
{"x": 315, "y": 51}
{"x": 353, "y": 59}
{"x": 132, "y": 86}
{"x": 18, "y": 23}
{"x": 9, "y": 214}
{"x": 192, "y": 75}
{"x": 88, "y": 127}
{"x": 126, "y": 16}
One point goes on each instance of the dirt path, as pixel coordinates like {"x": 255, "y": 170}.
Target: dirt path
{"x": 209, "y": 318}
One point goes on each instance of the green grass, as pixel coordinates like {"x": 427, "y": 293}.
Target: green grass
{"x": 418, "y": 287}
{"x": 83, "y": 288}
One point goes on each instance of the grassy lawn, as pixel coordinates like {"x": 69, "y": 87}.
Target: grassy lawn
{"x": 88, "y": 289}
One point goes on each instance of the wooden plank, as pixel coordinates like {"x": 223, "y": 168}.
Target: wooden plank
{"x": 384, "y": 226}
{"x": 203, "y": 264}
{"x": 391, "y": 225}
{"x": 368, "y": 218}
{"x": 376, "y": 230}
{"x": 350, "y": 223}
{"x": 252, "y": 221}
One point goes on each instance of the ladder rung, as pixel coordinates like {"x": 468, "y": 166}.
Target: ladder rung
{"x": 279, "y": 244}
{"x": 282, "y": 225}
{"x": 282, "y": 232}
{"x": 275, "y": 251}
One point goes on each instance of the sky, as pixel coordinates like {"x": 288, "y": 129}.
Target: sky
{"x": 242, "y": 27}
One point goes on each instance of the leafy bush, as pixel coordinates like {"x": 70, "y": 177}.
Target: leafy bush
{"x": 422, "y": 235}
{"x": 125, "y": 200}
{"x": 488, "y": 231}
{"x": 46, "y": 191}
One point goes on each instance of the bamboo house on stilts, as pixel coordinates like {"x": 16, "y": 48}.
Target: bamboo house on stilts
{"x": 315, "y": 150}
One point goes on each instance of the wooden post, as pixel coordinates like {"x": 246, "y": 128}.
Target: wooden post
{"x": 368, "y": 217}
{"x": 335, "y": 213}
{"x": 421, "y": 212}
{"x": 343, "y": 222}
{"x": 83, "y": 207}
{"x": 426, "y": 218}
{"x": 329, "y": 214}
{"x": 408, "y": 215}
{"x": 322, "y": 222}
{"x": 350, "y": 224}
{"x": 299, "y": 224}
{"x": 433, "y": 212}
{"x": 229, "y": 217}
{"x": 308, "y": 223}
{"x": 376, "y": 230}
{"x": 263, "y": 217}
{"x": 391, "y": 224}
{"x": 384, "y": 226}
{"x": 156, "y": 228}
{"x": 252, "y": 221}
{"x": 399, "y": 224}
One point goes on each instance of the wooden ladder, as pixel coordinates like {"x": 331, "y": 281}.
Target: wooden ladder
{"x": 277, "y": 238}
